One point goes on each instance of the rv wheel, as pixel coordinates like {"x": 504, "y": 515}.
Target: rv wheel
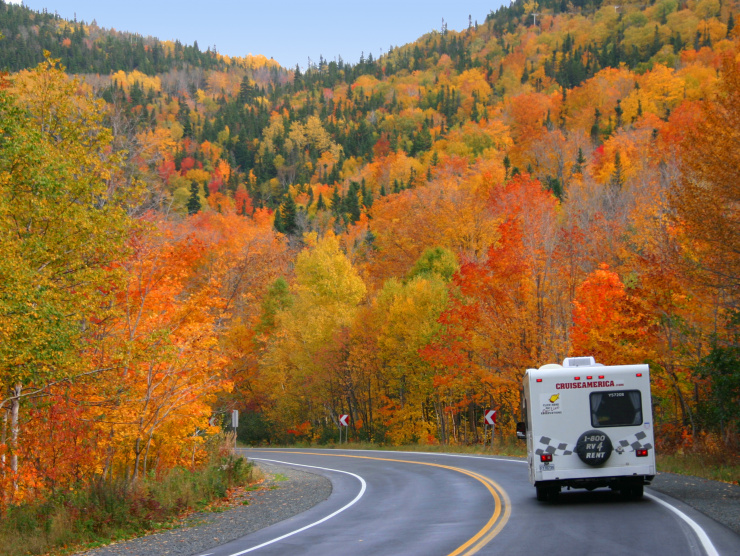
{"x": 594, "y": 447}
{"x": 542, "y": 493}
{"x": 547, "y": 493}
{"x": 632, "y": 492}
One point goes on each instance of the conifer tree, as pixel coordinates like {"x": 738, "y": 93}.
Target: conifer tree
{"x": 351, "y": 202}
{"x": 580, "y": 161}
{"x": 618, "y": 111}
{"x": 595, "y": 131}
{"x": 193, "y": 205}
{"x": 617, "y": 178}
{"x": 367, "y": 195}
{"x": 336, "y": 202}
{"x": 278, "y": 221}
{"x": 288, "y": 213}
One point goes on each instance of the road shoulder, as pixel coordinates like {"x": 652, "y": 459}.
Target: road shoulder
{"x": 285, "y": 493}
{"x": 720, "y": 501}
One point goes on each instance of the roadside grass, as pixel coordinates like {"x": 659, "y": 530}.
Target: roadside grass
{"x": 110, "y": 511}
{"x": 699, "y": 465}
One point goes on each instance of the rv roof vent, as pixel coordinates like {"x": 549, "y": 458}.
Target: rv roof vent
{"x": 579, "y": 362}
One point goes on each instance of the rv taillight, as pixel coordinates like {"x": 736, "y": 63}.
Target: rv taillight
{"x": 589, "y": 377}
{"x": 576, "y": 378}
{"x": 601, "y": 376}
{"x": 639, "y": 374}
{"x": 642, "y": 453}
{"x": 545, "y": 458}
{"x": 539, "y": 380}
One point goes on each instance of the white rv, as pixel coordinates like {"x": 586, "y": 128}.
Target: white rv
{"x": 587, "y": 426}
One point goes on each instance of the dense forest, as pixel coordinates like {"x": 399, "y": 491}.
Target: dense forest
{"x": 185, "y": 233}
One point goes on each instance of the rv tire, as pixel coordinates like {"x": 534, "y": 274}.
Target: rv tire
{"x": 547, "y": 493}
{"x": 632, "y": 492}
{"x": 542, "y": 493}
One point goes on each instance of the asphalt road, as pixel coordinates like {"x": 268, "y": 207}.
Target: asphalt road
{"x": 428, "y": 504}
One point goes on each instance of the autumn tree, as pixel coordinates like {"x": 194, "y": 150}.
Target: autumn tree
{"x": 707, "y": 198}
{"x": 64, "y": 224}
{"x": 608, "y": 322}
{"x": 326, "y": 293}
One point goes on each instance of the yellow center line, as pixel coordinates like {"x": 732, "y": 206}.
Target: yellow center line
{"x": 492, "y": 528}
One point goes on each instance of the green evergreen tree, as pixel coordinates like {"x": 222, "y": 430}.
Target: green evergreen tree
{"x": 193, "y": 205}
{"x": 595, "y": 131}
{"x": 367, "y": 195}
{"x": 351, "y": 202}
{"x": 336, "y": 202}
{"x": 580, "y": 161}
{"x": 278, "y": 221}
{"x": 183, "y": 116}
{"x": 617, "y": 178}
{"x": 288, "y": 214}
{"x": 554, "y": 185}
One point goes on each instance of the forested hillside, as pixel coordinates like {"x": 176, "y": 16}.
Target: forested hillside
{"x": 185, "y": 233}
{"x": 88, "y": 48}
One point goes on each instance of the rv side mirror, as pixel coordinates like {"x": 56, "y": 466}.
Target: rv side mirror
{"x": 521, "y": 431}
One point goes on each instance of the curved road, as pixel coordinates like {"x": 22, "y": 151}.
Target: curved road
{"x": 404, "y": 503}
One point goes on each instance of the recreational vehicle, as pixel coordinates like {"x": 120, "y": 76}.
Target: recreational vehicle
{"x": 588, "y": 426}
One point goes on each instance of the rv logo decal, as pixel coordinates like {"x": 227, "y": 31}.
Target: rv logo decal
{"x": 590, "y": 384}
{"x": 550, "y": 404}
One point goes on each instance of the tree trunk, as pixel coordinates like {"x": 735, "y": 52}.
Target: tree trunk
{"x": 472, "y": 421}
{"x": 137, "y": 450}
{"x": 4, "y": 434}
{"x": 15, "y": 404}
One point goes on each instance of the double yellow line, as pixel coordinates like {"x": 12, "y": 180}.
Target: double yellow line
{"x": 493, "y": 527}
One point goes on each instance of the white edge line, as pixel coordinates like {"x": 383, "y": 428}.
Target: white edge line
{"x": 703, "y": 538}
{"x": 340, "y": 510}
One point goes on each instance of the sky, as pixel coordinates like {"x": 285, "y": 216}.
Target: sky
{"x": 288, "y": 31}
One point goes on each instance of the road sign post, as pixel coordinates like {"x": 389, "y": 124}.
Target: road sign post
{"x": 235, "y": 424}
{"x": 489, "y": 419}
{"x": 343, "y": 422}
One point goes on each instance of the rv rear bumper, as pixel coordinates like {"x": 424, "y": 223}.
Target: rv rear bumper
{"x": 590, "y": 483}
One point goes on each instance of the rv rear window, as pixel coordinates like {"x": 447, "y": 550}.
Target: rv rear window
{"x": 616, "y": 409}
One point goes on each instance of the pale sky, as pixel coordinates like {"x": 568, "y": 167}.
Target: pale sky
{"x": 289, "y": 31}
